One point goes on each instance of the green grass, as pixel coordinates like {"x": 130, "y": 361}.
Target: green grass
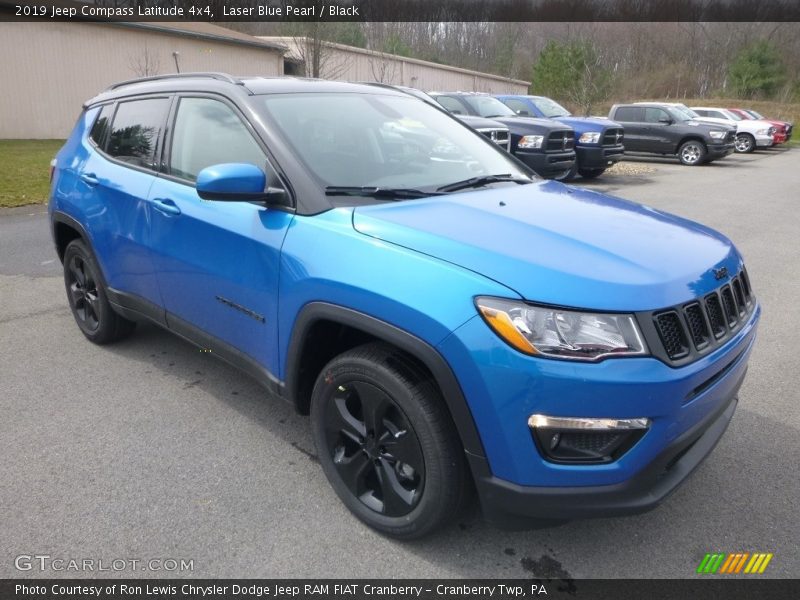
{"x": 25, "y": 170}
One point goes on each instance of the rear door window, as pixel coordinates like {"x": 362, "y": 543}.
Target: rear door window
{"x": 630, "y": 114}
{"x": 136, "y": 130}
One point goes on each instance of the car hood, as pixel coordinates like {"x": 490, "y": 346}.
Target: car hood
{"x": 531, "y": 123}
{"x": 709, "y": 125}
{"x": 479, "y": 122}
{"x": 589, "y": 123}
{"x": 728, "y": 122}
{"x": 560, "y": 245}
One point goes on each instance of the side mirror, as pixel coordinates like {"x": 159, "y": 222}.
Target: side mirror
{"x": 665, "y": 121}
{"x": 523, "y": 113}
{"x": 456, "y": 112}
{"x": 232, "y": 182}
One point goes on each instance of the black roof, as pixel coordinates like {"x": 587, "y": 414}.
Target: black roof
{"x": 222, "y": 82}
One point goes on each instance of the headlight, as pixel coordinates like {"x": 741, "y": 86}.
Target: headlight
{"x": 531, "y": 141}
{"x": 765, "y": 131}
{"x": 589, "y": 137}
{"x": 558, "y": 333}
{"x": 717, "y": 135}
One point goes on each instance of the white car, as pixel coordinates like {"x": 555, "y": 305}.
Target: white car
{"x": 750, "y": 134}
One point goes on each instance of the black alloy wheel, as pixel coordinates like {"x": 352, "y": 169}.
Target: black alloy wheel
{"x": 387, "y": 443}
{"x": 82, "y": 289}
{"x": 375, "y": 451}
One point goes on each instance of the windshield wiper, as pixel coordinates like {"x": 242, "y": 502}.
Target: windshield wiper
{"x": 377, "y": 192}
{"x": 479, "y": 181}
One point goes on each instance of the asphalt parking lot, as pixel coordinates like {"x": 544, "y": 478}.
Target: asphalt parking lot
{"x": 149, "y": 449}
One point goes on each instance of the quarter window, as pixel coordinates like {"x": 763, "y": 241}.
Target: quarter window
{"x": 100, "y": 127}
{"x": 136, "y": 129}
{"x": 208, "y": 132}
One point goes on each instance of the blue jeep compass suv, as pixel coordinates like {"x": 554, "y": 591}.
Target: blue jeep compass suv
{"x": 450, "y": 322}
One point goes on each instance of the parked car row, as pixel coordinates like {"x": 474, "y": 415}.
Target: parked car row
{"x": 558, "y": 145}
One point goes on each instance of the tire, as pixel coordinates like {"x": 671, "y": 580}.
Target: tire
{"x": 692, "y": 153}
{"x": 591, "y": 173}
{"x": 744, "y": 143}
{"x": 87, "y": 297}
{"x": 387, "y": 443}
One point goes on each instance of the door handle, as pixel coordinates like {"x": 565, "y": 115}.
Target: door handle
{"x": 89, "y": 178}
{"x": 166, "y": 206}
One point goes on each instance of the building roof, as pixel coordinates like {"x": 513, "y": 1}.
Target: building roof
{"x": 292, "y": 43}
{"x": 208, "y": 31}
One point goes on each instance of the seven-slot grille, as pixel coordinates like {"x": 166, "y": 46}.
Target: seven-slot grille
{"x": 560, "y": 141}
{"x": 613, "y": 136}
{"x": 696, "y": 326}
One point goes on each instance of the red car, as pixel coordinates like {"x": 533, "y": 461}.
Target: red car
{"x": 783, "y": 129}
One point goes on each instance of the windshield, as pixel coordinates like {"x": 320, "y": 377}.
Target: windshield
{"x": 488, "y": 107}
{"x": 381, "y": 141}
{"x": 550, "y": 108}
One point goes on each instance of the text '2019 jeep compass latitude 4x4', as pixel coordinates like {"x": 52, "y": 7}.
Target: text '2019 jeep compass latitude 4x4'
{"x": 446, "y": 318}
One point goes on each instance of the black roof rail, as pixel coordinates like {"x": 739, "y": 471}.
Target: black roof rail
{"x": 210, "y": 75}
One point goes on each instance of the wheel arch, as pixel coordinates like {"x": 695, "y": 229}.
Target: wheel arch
{"x": 351, "y": 328}
{"x": 66, "y": 229}
{"x": 691, "y": 138}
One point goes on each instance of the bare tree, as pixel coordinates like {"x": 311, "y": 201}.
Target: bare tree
{"x": 145, "y": 63}
{"x": 319, "y": 58}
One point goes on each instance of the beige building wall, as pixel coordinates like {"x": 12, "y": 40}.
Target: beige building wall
{"x": 346, "y": 63}
{"x": 48, "y": 70}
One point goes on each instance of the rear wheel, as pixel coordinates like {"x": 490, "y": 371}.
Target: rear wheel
{"x": 591, "y": 173}
{"x": 692, "y": 153}
{"x": 386, "y": 442}
{"x": 87, "y": 297}
{"x": 745, "y": 143}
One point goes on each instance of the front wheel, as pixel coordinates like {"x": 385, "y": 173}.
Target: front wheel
{"x": 744, "y": 143}
{"x": 387, "y": 443}
{"x": 591, "y": 173}
{"x": 692, "y": 153}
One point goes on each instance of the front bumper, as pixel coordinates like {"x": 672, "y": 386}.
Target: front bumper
{"x": 548, "y": 164}
{"x": 507, "y": 504}
{"x": 764, "y": 141}
{"x": 599, "y": 157}
{"x": 716, "y": 151}
{"x": 504, "y": 387}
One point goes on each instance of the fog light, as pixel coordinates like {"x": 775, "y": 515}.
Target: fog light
{"x": 585, "y": 440}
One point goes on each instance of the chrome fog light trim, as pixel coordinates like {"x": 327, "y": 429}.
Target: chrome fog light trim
{"x": 587, "y": 423}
